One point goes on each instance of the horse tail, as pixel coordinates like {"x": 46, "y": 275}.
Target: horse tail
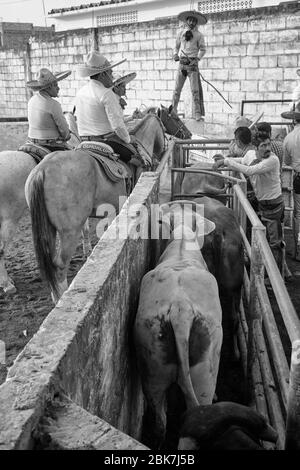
{"x": 43, "y": 231}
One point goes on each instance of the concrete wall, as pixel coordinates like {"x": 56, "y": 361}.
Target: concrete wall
{"x": 12, "y": 135}
{"x": 84, "y": 348}
{"x": 251, "y": 54}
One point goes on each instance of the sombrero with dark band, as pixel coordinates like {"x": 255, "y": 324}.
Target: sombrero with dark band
{"x": 45, "y": 78}
{"x": 96, "y": 63}
{"x": 201, "y": 19}
{"x": 293, "y": 115}
{"x": 125, "y": 79}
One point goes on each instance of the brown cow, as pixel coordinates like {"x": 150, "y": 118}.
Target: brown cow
{"x": 197, "y": 183}
{"x": 178, "y": 327}
{"x": 224, "y": 426}
{"x": 224, "y": 254}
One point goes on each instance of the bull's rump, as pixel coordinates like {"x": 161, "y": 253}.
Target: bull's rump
{"x": 190, "y": 292}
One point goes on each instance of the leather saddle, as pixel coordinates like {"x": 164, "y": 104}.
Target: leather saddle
{"x": 37, "y": 152}
{"x": 114, "y": 169}
{"x": 139, "y": 156}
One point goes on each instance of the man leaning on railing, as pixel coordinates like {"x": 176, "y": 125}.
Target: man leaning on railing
{"x": 263, "y": 168}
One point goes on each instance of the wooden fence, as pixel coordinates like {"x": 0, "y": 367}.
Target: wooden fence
{"x": 272, "y": 376}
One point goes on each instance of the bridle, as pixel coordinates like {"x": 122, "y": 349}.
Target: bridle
{"x": 182, "y": 125}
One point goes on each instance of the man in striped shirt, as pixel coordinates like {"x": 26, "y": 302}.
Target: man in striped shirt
{"x": 263, "y": 168}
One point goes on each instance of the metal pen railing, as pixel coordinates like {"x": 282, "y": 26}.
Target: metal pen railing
{"x": 273, "y": 385}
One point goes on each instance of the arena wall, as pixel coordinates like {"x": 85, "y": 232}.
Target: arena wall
{"x": 251, "y": 54}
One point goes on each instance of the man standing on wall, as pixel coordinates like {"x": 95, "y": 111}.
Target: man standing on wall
{"x": 189, "y": 50}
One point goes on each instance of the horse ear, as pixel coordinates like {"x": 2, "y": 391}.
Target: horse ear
{"x": 170, "y": 108}
{"x": 158, "y": 112}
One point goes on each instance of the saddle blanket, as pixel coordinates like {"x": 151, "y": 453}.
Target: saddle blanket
{"x": 105, "y": 156}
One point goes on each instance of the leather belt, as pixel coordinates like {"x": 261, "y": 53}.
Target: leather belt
{"x": 93, "y": 137}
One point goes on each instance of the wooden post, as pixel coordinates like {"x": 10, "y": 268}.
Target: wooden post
{"x": 256, "y": 272}
{"x": 292, "y": 439}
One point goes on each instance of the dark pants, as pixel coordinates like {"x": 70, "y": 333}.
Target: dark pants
{"x": 115, "y": 143}
{"x": 272, "y": 216}
{"x": 192, "y": 72}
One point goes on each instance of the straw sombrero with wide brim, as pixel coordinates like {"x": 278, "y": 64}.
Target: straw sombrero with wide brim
{"x": 125, "y": 79}
{"x": 45, "y": 78}
{"x": 293, "y": 115}
{"x": 201, "y": 19}
{"x": 96, "y": 63}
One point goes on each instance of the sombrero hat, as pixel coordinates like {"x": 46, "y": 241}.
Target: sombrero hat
{"x": 243, "y": 121}
{"x": 95, "y": 63}
{"x": 125, "y": 79}
{"x": 45, "y": 78}
{"x": 201, "y": 19}
{"x": 293, "y": 115}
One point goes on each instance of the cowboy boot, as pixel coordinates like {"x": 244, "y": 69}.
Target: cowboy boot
{"x": 296, "y": 234}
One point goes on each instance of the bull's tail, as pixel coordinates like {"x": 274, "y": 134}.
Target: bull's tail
{"x": 181, "y": 318}
{"x": 43, "y": 231}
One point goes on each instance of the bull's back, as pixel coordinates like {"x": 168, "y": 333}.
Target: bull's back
{"x": 223, "y": 249}
{"x": 197, "y": 182}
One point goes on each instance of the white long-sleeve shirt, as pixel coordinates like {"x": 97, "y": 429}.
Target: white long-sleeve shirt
{"x": 264, "y": 176}
{"x": 98, "y": 111}
{"x": 296, "y": 94}
{"x": 193, "y": 48}
{"x": 45, "y": 118}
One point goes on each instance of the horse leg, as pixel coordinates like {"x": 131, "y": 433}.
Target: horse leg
{"x": 67, "y": 246}
{"x": 7, "y": 229}
{"x": 86, "y": 242}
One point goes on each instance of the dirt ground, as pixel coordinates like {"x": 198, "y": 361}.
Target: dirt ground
{"x": 21, "y": 314}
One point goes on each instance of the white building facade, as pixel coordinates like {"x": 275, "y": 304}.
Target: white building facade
{"x": 84, "y": 14}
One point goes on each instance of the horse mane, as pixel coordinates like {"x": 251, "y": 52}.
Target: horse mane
{"x": 142, "y": 122}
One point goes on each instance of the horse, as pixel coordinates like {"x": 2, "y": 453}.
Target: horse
{"x": 173, "y": 124}
{"x": 15, "y": 167}
{"x": 64, "y": 189}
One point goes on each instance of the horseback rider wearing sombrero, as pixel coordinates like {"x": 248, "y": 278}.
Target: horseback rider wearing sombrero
{"x": 291, "y": 157}
{"x": 119, "y": 87}
{"x": 47, "y": 124}
{"x": 189, "y": 50}
{"x": 99, "y": 115}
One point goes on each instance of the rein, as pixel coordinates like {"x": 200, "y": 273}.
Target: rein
{"x": 164, "y": 135}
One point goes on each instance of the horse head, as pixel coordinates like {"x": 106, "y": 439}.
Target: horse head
{"x": 173, "y": 124}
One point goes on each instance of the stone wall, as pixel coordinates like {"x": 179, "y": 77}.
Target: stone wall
{"x": 251, "y": 54}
